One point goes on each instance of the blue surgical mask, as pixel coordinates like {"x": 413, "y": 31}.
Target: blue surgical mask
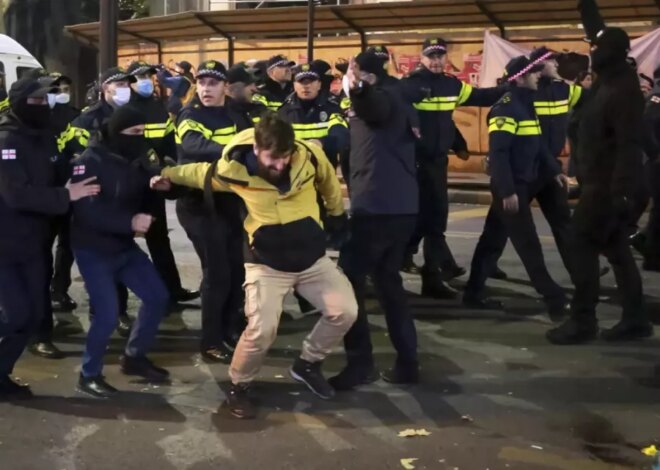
{"x": 145, "y": 87}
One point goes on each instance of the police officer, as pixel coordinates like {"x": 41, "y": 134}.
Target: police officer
{"x": 115, "y": 92}
{"x": 610, "y": 140}
{"x": 324, "y": 69}
{"x": 277, "y": 85}
{"x": 518, "y": 161}
{"x": 313, "y": 116}
{"x": 241, "y": 87}
{"x": 4, "y": 98}
{"x": 213, "y": 226}
{"x": 180, "y": 83}
{"x": 159, "y": 132}
{"x": 29, "y": 198}
{"x": 652, "y": 151}
{"x": 103, "y": 232}
{"x": 437, "y": 95}
{"x": 382, "y": 158}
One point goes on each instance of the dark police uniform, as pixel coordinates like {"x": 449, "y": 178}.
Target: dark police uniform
{"x": 216, "y": 232}
{"x": 518, "y": 160}
{"x": 652, "y": 151}
{"x": 437, "y": 96}
{"x": 106, "y": 253}
{"x": 29, "y": 199}
{"x": 382, "y": 158}
{"x": 271, "y": 93}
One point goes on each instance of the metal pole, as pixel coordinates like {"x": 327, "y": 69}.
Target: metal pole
{"x": 310, "y": 30}
{"x": 108, "y": 44}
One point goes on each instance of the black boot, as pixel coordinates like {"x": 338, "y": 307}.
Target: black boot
{"x": 47, "y": 350}
{"x": 433, "y": 286}
{"x": 402, "y": 373}
{"x": 449, "y": 274}
{"x": 557, "y": 311}
{"x": 239, "y": 403}
{"x": 573, "y": 332}
{"x": 184, "y": 295}
{"x": 627, "y": 330}
{"x": 143, "y": 367}
{"x": 95, "y": 387}
{"x": 482, "y": 303}
{"x": 10, "y": 390}
{"x": 124, "y": 326}
{"x": 353, "y": 376}
{"x": 409, "y": 265}
{"x": 220, "y": 354}
{"x": 309, "y": 373}
{"x": 62, "y": 302}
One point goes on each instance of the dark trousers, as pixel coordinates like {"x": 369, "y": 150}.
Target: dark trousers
{"x": 653, "y": 232}
{"x": 63, "y": 258}
{"x": 641, "y": 197}
{"x": 101, "y": 273}
{"x": 377, "y": 247}
{"x": 521, "y": 230}
{"x": 60, "y": 231}
{"x": 433, "y": 216}
{"x": 158, "y": 243}
{"x": 598, "y": 229}
{"x": 24, "y": 301}
{"x": 218, "y": 241}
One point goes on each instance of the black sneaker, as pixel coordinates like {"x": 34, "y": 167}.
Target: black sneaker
{"x": 143, "y": 367}
{"x": 628, "y": 331}
{"x": 483, "y": 303}
{"x": 62, "y": 302}
{"x": 558, "y": 311}
{"x": 10, "y": 390}
{"x": 409, "y": 266}
{"x": 402, "y": 374}
{"x": 239, "y": 403}
{"x": 185, "y": 295}
{"x": 354, "y": 376}
{"x": 124, "y": 326}
{"x": 573, "y": 332}
{"x": 95, "y": 387}
{"x": 499, "y": 274}
{"x": 309, "y": 373}
{"x": 436, "y": 288}
{"x": 47, "y": 350}
{"x": 453, "y": 273}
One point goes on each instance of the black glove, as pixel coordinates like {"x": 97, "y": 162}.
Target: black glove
{"x": 337, "y": 229}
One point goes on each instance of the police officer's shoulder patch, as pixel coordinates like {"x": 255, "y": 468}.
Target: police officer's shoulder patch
{"x": 323, "y": 116}
{"x": 499, "y": 122}
{"x": 506, "y": 99}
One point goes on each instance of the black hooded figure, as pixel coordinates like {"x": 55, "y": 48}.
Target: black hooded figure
{"x": 610, "y": 149}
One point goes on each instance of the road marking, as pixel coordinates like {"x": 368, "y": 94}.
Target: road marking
{"x": 193, "y": 446}
{"x": 365, "y": 420}
{"x": 319, "y": 431}
{"x": 66, "y": 456}
{"x": 468, "y": 213}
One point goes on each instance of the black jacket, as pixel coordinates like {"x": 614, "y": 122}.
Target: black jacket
{"x": 383, "y": 177}
{"x": 319, "y": 119}
{"x": 159, "y": 129}
{"x": 28, "y": 197}
{"x": 103, "y": 223}
{"x": 63, "y": 115}
{"x": 76, "y": 137}
{"x": 436, "y": 96}
{"x": 516, "y": 151}
{"x": 652, "y": 126}
{"x": 244, "y": 114}
{"x": 554, "y": 99}
{"x": 272, "y": 95}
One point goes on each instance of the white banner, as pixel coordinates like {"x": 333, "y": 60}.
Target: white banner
{"x": 498, "y": 51}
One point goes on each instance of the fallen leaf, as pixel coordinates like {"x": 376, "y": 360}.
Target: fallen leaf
{"x": 407, "y": 463}
{"x": 467, "y": 418}
{"x": 537, "y": 447}
{"x": 414, "y": 432}
{"x": 279, "y": 376}
{"x": 651, "y": 451}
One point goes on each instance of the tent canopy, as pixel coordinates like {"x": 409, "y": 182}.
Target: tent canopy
{"x": 418, "y": 15}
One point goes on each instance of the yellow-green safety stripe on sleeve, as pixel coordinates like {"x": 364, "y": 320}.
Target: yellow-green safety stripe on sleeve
{"x": 551, "y": 108}
{"x": 224, "y": 135}
{"x": 464, "y": 95}
{"x": 317, "y": 130}
{"x": 345, "y": 103}
{"x": 502, "y": 124}
{"x": 158, "y": 130}
{"x": 4, "y": 105}
{"x": 437, "y": 103}
{"x": 531, "y": 127}
{"x": 189, "y": 125}
{"x": 574, "y": 95}
{"x": 337, "y": 120}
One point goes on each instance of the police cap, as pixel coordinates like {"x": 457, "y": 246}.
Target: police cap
{"x": 279, "y": 61}
{"x": 379, "y": 51}
{"x": 521, "y": 66}
{"x": 240, "y": 74}
{"x": 28, "y": 87}
{"x": 115, "y": 74}
{"x": 541, "y": 54}
{"x": 212, "y": 68}
{"x": 305, "y": 71}
{"x": 140, "y": 67}
{"x": 434, "y": 46}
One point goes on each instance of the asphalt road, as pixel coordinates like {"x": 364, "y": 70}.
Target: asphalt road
{"x": 495, "y": 394}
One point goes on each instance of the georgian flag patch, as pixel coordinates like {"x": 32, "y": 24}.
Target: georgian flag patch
{"x": 9, "y": 154}
{"x": 78, "y": 170}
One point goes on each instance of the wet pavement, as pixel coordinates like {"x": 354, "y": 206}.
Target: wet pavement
{"x": 495, "y": 394}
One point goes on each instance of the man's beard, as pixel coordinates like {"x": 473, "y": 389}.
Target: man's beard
{"x": 273, "y": 177}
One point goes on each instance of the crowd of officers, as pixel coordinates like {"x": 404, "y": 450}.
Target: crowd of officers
{"x": 251, "y": 153}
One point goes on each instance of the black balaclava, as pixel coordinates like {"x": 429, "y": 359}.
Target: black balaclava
{"x": 130, "y": 147}
{"x": 32, "y": 115}
{"x": 613, "y": 45}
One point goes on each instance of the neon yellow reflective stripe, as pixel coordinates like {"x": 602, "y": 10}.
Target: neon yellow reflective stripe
{"x": 337, "y": 120}
{"x": 260, "y": 99}
{"x": 256, "y": 119}
{"x": 464, "y": 95}
{"x": 551, "y": 108}
{"x": 502, "y": 124}
{"x": 345, "y": 103}
{"x": 4, "y": 105}
{"x": 574, "y": 95}
{"x": 188, "y": 125}
{"x": 224, "y": 135}
{"x": 156, "y": 130}
{"x": 316, "y": 130}
{"x": 529, "y": 128}
{"x": 437, "y": 103}
{"x": 272, "y": 105}
{"x": 79, "y": 134}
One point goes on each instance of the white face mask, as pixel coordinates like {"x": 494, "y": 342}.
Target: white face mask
{"x": 62, "y": 98}
{"x": 122, "y": 96}
{"x": 346, "y": 86}
{"x": 52, "y": 99}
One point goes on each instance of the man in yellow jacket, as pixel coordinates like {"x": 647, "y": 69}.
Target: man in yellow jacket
{"x": 278, "y": 178}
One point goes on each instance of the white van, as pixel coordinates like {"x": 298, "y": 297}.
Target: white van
{"x": 15, "y": 60}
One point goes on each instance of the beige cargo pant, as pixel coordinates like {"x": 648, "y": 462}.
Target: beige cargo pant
{"x": 323, "y": 285}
